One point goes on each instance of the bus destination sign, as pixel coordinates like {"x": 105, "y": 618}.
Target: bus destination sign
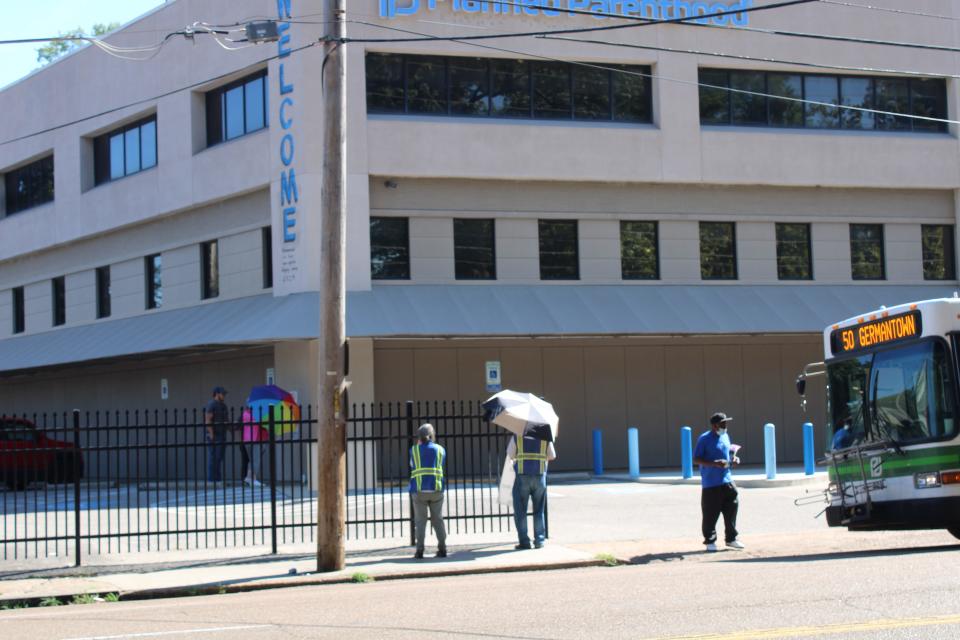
{"x": 874, "y": 333}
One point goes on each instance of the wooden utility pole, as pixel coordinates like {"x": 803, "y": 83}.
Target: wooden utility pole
{"x": 331, "y": 420}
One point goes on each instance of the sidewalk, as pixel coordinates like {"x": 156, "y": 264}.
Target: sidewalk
{"x": 590, "y": 519}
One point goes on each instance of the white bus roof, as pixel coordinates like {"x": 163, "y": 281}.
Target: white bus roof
{"x": 938, "y": 317}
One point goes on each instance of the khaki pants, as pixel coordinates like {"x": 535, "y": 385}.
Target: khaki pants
{"x": 432, "y": 502}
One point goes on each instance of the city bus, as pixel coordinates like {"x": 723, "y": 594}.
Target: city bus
{"x": 893, "y": 447}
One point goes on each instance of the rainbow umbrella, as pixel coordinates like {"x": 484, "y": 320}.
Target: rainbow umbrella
{"x": 270, "y": 398}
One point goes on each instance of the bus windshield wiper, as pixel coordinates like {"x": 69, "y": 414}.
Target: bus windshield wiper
{"x": 885, "y": 427}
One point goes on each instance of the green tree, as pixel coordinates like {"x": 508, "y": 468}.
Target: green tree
{"x": 56, "y": 48}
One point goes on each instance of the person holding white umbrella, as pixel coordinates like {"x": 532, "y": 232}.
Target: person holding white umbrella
{"x": 530, "y": 456}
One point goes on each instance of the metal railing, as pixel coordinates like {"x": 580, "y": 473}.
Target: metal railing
{"x": 80, "y": 484}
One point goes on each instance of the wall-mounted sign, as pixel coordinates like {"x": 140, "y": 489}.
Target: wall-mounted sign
{"x": 164, "y": 389}
{"x": 903, "y": 326}
{"x": 651, "y": 9}
{"x": 271, "y": 378}
{"x": 494, "y": 380}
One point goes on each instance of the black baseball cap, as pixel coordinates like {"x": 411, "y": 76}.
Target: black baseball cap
{"x": 718, "y": 417}
{"x": 217, "y": 390}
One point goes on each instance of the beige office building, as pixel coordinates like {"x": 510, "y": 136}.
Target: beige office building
{"x": 643, "y": 225}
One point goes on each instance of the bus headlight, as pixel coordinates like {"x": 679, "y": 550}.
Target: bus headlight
{"x": 926, "y": 480}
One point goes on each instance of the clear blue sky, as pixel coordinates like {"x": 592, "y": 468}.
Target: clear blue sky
{"x": 43, "y": 18}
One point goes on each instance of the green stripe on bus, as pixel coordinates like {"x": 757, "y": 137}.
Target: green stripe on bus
{"x": 894, "y": 465}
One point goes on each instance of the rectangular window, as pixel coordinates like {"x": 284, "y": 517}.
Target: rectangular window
{"x": 237, "y": 109}
{"x": 154, "y": 280}
{"x": 793, "y": 252}
{"x": 497, "y": 88}
{"x": 866, "y": 252}
{"x": 19, "y": 313}
{"x": 730, "y": 98}
{"x": 58, "y": 291}
{"x": 389, "y": 248}
{"x": 125, "y": 151}
{"x": 103, "y": 292}
{"x": 210, "y": 269}
{"x": 266, "y": 236}
{"x": 639, "y": 252}
{"x": 939, "y": 260}
{"x": 559, "y": 250}
{"x": 29, "y": 186}
{"x": 718, "y": 251}
{"x": 473, "y": 249}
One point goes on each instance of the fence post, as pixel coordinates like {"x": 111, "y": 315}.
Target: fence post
{"x": 76, "y": 489}
{"x": 633, "y": 450}
{"x": 770, "y": 450}
{"x": 273, "y": 483}
{"x": 808, "y": 455}
{"x": 686, "y": 452}
{"x": 404, "y": 465}
{"x": 597, "y": 452}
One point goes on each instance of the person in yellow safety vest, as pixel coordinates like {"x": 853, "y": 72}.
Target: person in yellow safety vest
{"x": 426, "y": 488}
{"x": 530, "y": 457}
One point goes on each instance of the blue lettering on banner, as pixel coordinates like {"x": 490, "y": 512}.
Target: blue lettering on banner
{"x": 650, "y": 9}
{"x": 289, "y": 192}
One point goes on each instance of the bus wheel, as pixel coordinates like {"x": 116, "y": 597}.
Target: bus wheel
{"x": 955, "y": 531}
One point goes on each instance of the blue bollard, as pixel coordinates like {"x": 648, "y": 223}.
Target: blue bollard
{"x": 808, "y": 454}
{"x": 597, "y": 452}
{"x": 633, "y": 450}
{"x": 770, "y": 450}
{"x": 686, "y": 452}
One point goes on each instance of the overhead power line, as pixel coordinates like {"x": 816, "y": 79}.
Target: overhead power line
{"x": 639, "y": 22}
{"x": 889, "y": 10}
{"x": 685, "y": 82}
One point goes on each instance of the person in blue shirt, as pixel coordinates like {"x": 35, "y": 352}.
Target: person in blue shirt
{"x": 719, "y": 493}
{"x": 426, "y": 488}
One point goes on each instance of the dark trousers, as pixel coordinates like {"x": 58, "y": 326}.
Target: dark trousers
{"x": 713, "y": 502}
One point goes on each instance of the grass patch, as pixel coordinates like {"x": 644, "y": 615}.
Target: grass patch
{"x": 361, "y": 578}
{"x": 111, "y": 597}
{"x": 8, "y": 606}
{"x": 86, "y": 598}
{"x": 50, "y": 602}
{"x": 608, "y": 559}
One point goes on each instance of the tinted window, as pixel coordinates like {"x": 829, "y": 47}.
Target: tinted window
{"x": 631, "y": 94}
{"x": 857, "y": 92}
{"x": 785, "y": 113}
{"x": 266, "y": 239}
{"x": 469, "y": 87}
{"x": 389, "y": 248}
{"x": 866, "y": 252}
{"x": 939, "y": 261}
{"x": 125, "y": 151}
{"x": 714, "y": 98}
{"x": 210, "y": 269}
{"x": 591, "y": 93}
{"x": 893, "y": 95}
{"x": 639, "y": 256}
{"x": 237, "y": 109}
{"x": 473, "y": 249}
{"x": 384, "y": 83}
{"x": 718, "y": 251}
{"x": 793, "y": 252}
{"x": 29, "y": 186}
{"x": 426, "y": 85}
{"x": 559, "y": 252}
{"x": 551, "y": 90}
{"x": 154, "y": 281}
{"x": 745, "y": 106}
{"x": 103, "y": 292}
{"x": 19, "y": 316}
{"x": 826, "y": 91}
{"x": 59, "y": 294}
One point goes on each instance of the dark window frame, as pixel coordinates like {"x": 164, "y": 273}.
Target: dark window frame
{"x": 883, "y": 257}
{"x": 58, "y": 294}
{"x": 461, "y": 273}
{"x": 153, "y": 276}
{"x": 949, "y": 259}
{"x": 37, "y": 178}
{"x": 102, "y": 154}
{"x": 913, "y": 102}
{"x": 403, "y": 60}
{"x": 19, "y": 310}
{"x": 809, "y": 252}
{"x": 266, "y": 240}
{"x": 734, "y": 254}
{"x": 400, "y": 260}
{"x": 209, "y": 269}
{"x": 216, "y": 111}
{"x": 103, "y": 292}
{"x": 656, "y": 251}
{"x": 551, "y": 251}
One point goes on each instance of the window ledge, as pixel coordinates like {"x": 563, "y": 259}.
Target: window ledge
{"x": 461, "y": 120}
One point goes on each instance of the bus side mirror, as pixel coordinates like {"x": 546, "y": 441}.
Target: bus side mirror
{"x": 801, "y": 385}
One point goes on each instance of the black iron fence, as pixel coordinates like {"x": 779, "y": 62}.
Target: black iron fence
{"x": 77, "y": 484}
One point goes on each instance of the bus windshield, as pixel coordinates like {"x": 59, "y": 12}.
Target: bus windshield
{"x": 900, "y": 396}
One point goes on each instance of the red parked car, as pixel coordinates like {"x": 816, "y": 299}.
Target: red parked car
{"x": 27, "y": 455}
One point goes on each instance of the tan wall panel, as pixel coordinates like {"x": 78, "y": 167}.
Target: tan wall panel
{"x": 522, "y": 369}
{"x": 647, "y": 403}
{"x": 763, "y": 393}
{"x": 723, "y": 382}
{"x": 393, "y": 379}
{"x": 435, "y": 374}
{"x": 563, "y": 385}
{"x": 605, "y": 401}
{"x": 685, "y": 406}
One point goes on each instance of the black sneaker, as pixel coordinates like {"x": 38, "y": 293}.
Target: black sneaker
{"x": 418, "y": 555}
{"x": 522, "y": 546}
{"x": 442, "y": 553}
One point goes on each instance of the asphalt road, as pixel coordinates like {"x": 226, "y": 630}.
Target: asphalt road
{"x": 795, "y": 585}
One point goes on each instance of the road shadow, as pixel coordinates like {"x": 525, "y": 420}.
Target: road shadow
{"x": 844, "y": 555}
{"x": 649, "y": 558}
{"x": 454, "y": 555}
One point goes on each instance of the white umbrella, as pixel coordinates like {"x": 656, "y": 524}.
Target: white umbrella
{"x": 523, "y": 414}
